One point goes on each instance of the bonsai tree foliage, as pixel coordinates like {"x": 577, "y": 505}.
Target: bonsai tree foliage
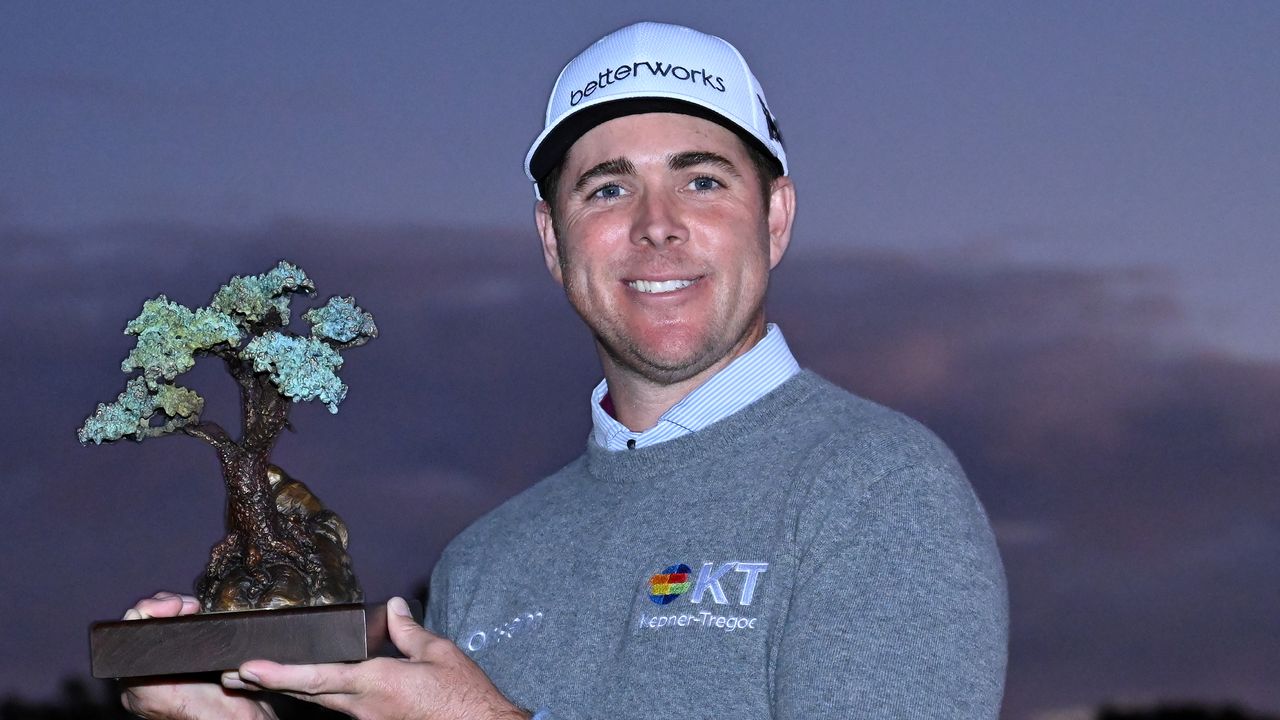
{"x": 282, "y": 547}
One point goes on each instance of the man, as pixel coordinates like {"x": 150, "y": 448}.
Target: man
{"x": 740, "y": 538}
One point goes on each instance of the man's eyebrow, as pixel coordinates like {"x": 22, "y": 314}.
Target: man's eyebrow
{"x": 693, "y": 158}
{"x": 616, "y": 166}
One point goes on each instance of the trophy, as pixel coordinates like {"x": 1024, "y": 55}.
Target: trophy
{"x": 279, "y": 586}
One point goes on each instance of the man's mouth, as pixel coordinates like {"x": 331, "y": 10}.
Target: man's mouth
{"x": 658, "y": 286}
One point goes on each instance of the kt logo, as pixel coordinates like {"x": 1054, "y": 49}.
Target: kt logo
{"x": 675, "y": 581}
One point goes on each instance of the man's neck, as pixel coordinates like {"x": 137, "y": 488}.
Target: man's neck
{"x": 638, "y": 404}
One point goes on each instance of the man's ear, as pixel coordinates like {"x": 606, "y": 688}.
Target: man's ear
{"x": 550, "y": 248}
{"x": 782, "y": 213}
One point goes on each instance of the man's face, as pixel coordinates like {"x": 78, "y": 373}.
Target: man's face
{"x": 663, "y": 245}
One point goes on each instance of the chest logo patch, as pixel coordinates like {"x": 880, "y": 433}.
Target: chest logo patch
{"x": 713, "y": 585}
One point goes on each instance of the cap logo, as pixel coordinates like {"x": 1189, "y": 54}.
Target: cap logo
{"x": 609, "y": 76}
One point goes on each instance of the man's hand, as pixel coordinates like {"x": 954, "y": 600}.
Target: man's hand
{"x": 435, "y": 680}
{"x": 157, "y": 698}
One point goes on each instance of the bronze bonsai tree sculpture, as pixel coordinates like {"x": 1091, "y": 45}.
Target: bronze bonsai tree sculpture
{"x": 282, "y": 548}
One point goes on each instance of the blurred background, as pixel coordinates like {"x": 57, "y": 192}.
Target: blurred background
{"x": 1048, "y": 231}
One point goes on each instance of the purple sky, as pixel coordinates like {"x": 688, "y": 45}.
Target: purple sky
{"x": 1048, "y": 231}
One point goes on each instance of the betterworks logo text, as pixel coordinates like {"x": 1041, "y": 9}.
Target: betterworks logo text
{"x": 701, "y": 77}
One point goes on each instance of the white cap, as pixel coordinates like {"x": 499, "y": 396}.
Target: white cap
{"x": 654, "y": 67}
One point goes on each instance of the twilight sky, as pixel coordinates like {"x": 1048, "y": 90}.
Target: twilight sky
{"x": 1048, "y": 231}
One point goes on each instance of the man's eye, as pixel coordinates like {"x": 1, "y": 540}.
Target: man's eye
{"x": 704, "y": 183}
{"x": 608, "y": 192}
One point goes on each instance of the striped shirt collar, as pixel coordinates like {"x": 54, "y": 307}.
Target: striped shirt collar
{"x": 748, "y": 378}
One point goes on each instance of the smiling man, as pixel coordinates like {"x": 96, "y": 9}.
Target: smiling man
{"x": 740, "y": 538}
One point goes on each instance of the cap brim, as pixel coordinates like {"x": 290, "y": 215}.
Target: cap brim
{"x": 553, "y": 146}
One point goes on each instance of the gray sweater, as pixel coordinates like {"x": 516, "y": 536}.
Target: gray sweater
{"x": 814, "y": 555}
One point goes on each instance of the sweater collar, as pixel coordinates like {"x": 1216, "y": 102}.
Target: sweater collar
{"x": 728, "y": 437}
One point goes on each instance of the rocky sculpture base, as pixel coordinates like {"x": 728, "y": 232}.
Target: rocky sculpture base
{"x": 238, "y": 578}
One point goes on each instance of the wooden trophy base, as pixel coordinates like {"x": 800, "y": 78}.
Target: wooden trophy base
{"x": 222, "y": 641}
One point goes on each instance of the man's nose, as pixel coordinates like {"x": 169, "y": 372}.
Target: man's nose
{"x": 658, "y": 220}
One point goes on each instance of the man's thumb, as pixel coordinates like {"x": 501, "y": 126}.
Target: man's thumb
{"x": 409, "y": 637}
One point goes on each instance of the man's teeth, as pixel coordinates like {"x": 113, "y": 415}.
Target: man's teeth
{"x": 655, "y": 286}
{"x": 659, "y": 286}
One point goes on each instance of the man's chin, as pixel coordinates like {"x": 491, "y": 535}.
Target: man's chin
{"x": 675, "y": 355}
{"x": 663, "y": 366}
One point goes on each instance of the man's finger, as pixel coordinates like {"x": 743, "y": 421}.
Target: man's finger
{"x": 410, "y": 638}
{"x": 232, "y": 680}
{"x": 331, "y": 686}
{"x": 163, "y": 604}
{"x": 303, "y": 679}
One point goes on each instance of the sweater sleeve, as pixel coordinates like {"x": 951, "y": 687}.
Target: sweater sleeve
{"x": 436, "y": 616}
{"x": 899, "y": 608}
